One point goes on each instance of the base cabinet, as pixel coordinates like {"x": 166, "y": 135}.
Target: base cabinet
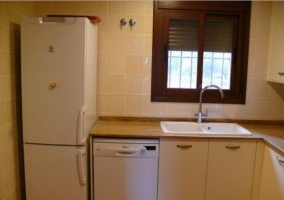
{"x": 182, "y": 169}
{"x": 272, "y": 183}
{"x": 219, "y": 169}
{"x": 230, "y": 169}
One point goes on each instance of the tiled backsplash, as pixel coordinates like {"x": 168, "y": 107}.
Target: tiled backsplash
{"x": 124, "y": 67}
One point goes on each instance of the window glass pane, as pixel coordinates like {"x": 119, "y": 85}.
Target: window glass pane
{"x": 217, "y": 70}
{"x": 182, "y": 70}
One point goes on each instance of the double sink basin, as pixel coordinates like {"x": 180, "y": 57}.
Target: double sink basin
{"x": 206, "y": 129}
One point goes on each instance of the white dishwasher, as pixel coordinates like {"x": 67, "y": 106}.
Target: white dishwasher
{"x": 125, "y": 169}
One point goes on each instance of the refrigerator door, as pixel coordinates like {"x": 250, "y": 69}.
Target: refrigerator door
{"x": 55, "y": 172}
{"x": 53, "y": 82}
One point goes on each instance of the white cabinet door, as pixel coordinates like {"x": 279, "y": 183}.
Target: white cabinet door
{"x": 55, "y": 172}
{"x": 272, "y": 183}
{"x": 230, "y": 169}
{"x": 276, "y": 49}
{"x": 182, "y": 169}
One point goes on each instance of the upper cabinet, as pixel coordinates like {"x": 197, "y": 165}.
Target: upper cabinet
{"x": 275, "y": 71}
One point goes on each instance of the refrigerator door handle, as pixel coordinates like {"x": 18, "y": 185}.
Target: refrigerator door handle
{"x": 81, "y": 139}
{"x": 81, "y": 166}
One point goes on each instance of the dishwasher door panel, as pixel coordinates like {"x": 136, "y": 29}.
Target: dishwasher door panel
{"x": 124, "y": 178}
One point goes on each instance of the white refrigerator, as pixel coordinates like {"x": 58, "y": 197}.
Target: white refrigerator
{"x": 59, "y": 74}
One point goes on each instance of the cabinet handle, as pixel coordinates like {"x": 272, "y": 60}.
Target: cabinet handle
{"x": 233, "y": 147}
{"x": 281, "y": 73}
{"x": 279, "y": 160}
{"x": 184, "y": 146}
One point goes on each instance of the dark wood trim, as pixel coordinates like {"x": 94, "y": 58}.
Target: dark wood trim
{"x": 159, "y": 90}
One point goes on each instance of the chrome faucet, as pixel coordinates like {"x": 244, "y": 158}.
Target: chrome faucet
{"x": 201, "y": 115}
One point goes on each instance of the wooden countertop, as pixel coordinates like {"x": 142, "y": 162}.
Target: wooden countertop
{"x": 272, "y": 134}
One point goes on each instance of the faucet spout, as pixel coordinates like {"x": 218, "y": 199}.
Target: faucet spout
{"x": 199, "y": 115}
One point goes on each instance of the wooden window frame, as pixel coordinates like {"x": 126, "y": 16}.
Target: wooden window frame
{"x": 162, "y": 11}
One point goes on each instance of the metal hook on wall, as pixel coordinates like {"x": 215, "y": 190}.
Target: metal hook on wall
{"x": 123, "y": 22}
{"x": 132, "y": 23}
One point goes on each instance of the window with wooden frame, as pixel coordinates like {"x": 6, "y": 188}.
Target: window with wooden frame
{"x": 196, "y": 44}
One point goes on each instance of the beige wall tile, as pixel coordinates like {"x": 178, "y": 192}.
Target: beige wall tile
{"x": 135, "y": 7}
{"x": 115, "y": 84}
{"x": 149, "y": 7}
{"x": 264, "y": 10}
{"x": 102, "y": 60}
{"x": 3, "y": 89}
{"x": 3, "y": 114}
{"x": 9, "y": 63}
{"x": 243, "y": 111}
{"x": 252, "y": 44}
{"x": 148, "y": 64}
{"x": 188, "y": 110}
{"x": 43, "y": 8}
{"x": 260, "y": 108}
{"x": 102, "y": 84}
{"x": 116, "y": 45}
{"x": 171, "y": 109}
{"x": 103, "y": 25}
{"x": 10, "y": 87}
{"x": 134, "y": 64}
{"x": 134, "y": 84}
{"x": 251, "y": 66}
{"x": 254, "y": 9}
{"x": 4, "y": 186}
{"x": 224, "y": 111}
{"x": 133, "y": 104}
{"x": 148, "y": 45}
{"x": 116, "y": 65}
{"x": 1, "y": 37}
{"x": 102, "y": 45}
{"x": 135, "y": 45}
{"x": 2, "y": 65}
{"x": 261, "y": 49}
{"x": 151, "y": 108}
{"x": 61, "y": 7}
{"x": 11, "y": 110}
{"x": 79, "y": 7}
{"x": 101, "y": 103}
{"x": 3, "y": 157}
{"x": 1, "y": 13}
{"x": 115, "y": 104}
{"x": 260, "y": 69}
{"x": 249, "y": 88}
{"x": 116, "y": 7}
{"x": 147, "y": 84}
{"x": 253, "y": 25}
{"x": 149, "y": 25}
{"x": 263, "y": 29}
{"x": 97, "y": 7}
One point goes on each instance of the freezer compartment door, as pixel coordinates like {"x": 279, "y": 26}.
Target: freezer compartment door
{"x": 55, "y": 172}
{"x": 53, "y": 83}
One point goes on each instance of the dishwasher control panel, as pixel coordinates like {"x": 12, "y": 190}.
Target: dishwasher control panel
{"x": 126, "y": 147}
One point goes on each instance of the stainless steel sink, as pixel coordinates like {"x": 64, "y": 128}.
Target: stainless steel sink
{"x": 193, "y": 128}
